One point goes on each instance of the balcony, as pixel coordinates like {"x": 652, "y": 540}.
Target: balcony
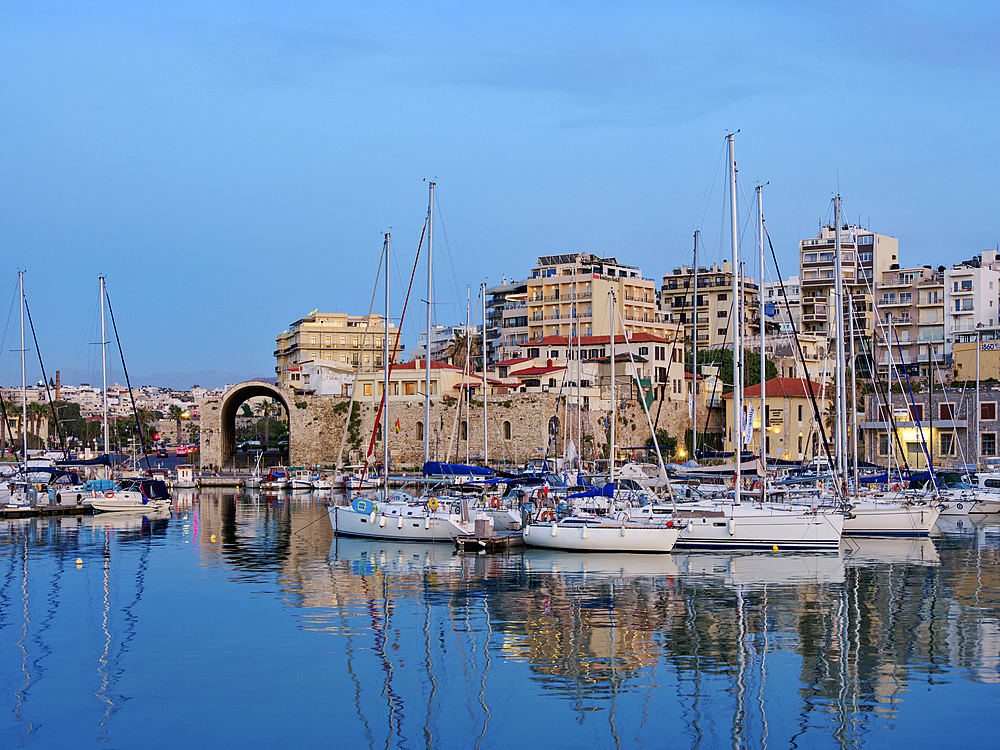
{"x": 893, "y": 302}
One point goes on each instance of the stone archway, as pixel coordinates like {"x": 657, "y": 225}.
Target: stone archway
{"x": 218, "y": 419}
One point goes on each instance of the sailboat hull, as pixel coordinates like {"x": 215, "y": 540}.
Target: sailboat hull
{"x": 623, "y": 537}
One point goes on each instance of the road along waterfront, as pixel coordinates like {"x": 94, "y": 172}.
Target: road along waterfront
{"x": 238, "y": 620}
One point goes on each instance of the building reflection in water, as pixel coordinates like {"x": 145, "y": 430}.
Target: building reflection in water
{"x": 430, "y": 648}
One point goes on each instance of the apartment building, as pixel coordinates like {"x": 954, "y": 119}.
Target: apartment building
{"x": 776, "y": 311}
{"x": 567, "y": 293}
{"x": 331, "y": 337}
{"x": 714, "y": 304}
{"x": 971, "y": 293}
{"x": 987, "y": 364}
{"x": 910, "y": 328}
{"x": 441, "y": 340}
{"x": 506, "y": 319}
{"x": 865, "y": 256}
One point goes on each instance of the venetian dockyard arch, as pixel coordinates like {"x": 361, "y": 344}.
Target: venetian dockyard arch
{"x": 218, "y": 418}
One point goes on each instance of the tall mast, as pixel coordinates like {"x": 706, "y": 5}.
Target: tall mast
{"x": 467, "y": 369}
{"x": 737, "y": 322}
{"x": 979, "y": 411}
{"x": 694, "y": 358}
{"x": 763, "y": 371}
{"x": 486, "y": 447}
{"x": 104, "y": 372}
{"x": 854, "y": 397}
{"x": 838, "y": 314}
{"x": 427, "y": 370}
{"x": 579, "y": 376}
{"x": 24, "y": 388}
{"x": 385, "y": 380}
{"x": 614, "y": 401}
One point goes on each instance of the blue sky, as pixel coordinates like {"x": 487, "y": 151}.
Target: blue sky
{"x": 231, "y": 166}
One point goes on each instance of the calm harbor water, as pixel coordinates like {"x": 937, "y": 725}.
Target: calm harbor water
{"x": 239, "y": 623}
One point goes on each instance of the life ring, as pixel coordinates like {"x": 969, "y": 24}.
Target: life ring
{"x": 547, "y": 515}
{"x": 896, "y": 487}
{"x": 756, "y": 485}
{"x": 109, "y": 494}
{"x": 432, "y": 504}
{"x": 495, "y": 502}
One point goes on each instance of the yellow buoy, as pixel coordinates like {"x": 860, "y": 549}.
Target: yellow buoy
{"x": 79, "y": 562}
{"x": 213, "y": 537}
{"x": 774, "y": 548}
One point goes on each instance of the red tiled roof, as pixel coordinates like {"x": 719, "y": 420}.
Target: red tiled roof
{"x": 790, "y": 387}
{"x": 515, "y": 361}
{"x": 532, "y": 371}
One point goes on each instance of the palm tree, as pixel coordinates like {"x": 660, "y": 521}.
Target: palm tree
{"x": 265, "y": 408}
{"x": 462, "y": 342}
{"x": 175, "y": 412}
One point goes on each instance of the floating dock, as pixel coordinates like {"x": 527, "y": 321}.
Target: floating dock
{"x": 502, "y": 541}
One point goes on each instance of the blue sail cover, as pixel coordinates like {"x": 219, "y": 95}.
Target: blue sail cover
{"x": 442, "y": 469}
{"x": 607, "y": 490}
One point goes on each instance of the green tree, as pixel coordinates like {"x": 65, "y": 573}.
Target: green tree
{"x": 723, "y": 359}
{"x": 176, "y": 413}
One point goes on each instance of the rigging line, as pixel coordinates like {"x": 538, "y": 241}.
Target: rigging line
{"x": 445, "y": 226}
{"x": 702, "y": 211}
{"x": 128, "y": 384}
{"x": 395, "y": 350}
{"x": 10, "y": 313}
{"x": 818, "y": 416}
{"x": 45, "y": 380}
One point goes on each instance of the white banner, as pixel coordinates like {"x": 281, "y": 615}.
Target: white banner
{"x": 748, "y": 424}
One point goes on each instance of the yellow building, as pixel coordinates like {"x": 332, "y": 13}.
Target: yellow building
{"x": 566, "y": 291}
{"x": 791, "y": 432}
{"x": 964, "y": 352}
{"x": 330, "y": 337}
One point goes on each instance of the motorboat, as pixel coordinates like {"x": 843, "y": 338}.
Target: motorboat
{"x": 132, "y": 494}
{"x": 301, "y": 479}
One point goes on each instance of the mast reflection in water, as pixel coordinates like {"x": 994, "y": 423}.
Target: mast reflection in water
{"x": 241, "y": 621}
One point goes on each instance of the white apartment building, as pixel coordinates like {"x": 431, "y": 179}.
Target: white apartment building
{"x": 775, "y": 310}
{"x": 971, "y": 293}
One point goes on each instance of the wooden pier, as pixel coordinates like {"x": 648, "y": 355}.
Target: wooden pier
{"x": 32, "y": 511}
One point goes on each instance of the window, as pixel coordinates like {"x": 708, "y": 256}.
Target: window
{"x": 800, "y": 419}
{"x": 410, "y": 388}
{"x": 368, "y": 389}
{"x": 988, "y": 410}
{"x": 723, "y": 298}
{"x": 883, "y": 445}
{"x": 506, "y": 430}
{"x": 946, "y": 411}
{"x": 987, "y": 443}
{"x": 644, "y": 351}
{"x": 554, "y": 354}
{"x": 916, "y": 412}
{"x": 947, "y": 444}
{"x": 463, "y": 433}
{"x": 722, "y": 331}
{"x": 723, "y": 314}
{"x": 800, "y": 445}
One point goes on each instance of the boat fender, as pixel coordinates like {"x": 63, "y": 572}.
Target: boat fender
{"x": 79, "y": 499}
{"x": 58, "y": 499}
{"x": 731, "y": 526}
{"x": 433, "y": 504}
{"x": 399, "y": 523}
{"x": 586, "y": 532}
{"x": 427, "y": 522}
{"x": 555, "y": 529}
{"x": 690, "y": 525}
{"x": 371, "y": 517}
{"x": 623, "y": 529}
{"x": 527, "y": 530}
{"x": 381, "y": 521}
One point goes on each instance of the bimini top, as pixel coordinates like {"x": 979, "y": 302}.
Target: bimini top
{"x": 442, "y": 469}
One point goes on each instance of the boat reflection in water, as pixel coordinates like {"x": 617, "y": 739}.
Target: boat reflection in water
{"x": 251, "y": 609}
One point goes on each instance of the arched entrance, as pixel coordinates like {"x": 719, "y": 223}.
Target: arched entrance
{"x": 218, "y": 419}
